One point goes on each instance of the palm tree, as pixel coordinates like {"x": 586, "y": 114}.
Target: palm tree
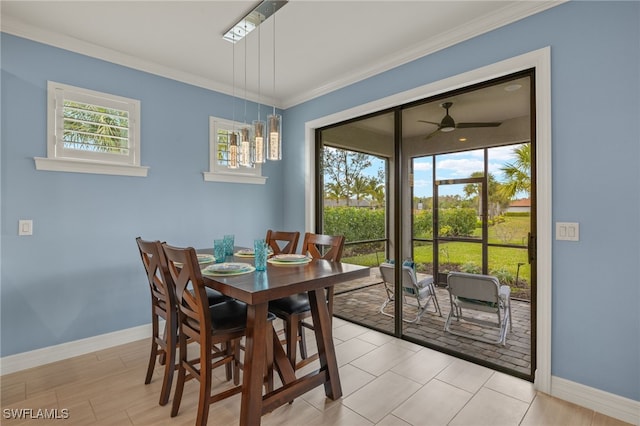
{"x": 518, "y": 174}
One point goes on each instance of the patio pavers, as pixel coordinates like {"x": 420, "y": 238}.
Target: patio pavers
{"x": 360, "y": 301}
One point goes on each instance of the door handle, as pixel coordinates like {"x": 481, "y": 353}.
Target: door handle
{"x": 531, "y": 247}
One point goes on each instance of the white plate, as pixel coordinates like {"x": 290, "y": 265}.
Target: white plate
{"x": 290, "y": 258}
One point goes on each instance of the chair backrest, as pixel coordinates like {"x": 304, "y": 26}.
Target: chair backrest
{"x": 409, "y": 280}
{"x": 160, "y": 282}
{"x": 476, "y": 287}
{"x": 289, "y": 239}
{"x": 191, "y": 295}
{"x": 321, "y": 246}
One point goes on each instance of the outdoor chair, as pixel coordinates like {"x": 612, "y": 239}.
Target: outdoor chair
{"x": 422, "y": 292}
{"x": 480, "y": 300}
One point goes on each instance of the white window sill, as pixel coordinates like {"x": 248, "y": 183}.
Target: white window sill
{"x": 84, "y": 166}
{"x": 234, "y": 178}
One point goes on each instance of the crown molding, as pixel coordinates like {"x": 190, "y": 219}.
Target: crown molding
{"x": 506, "y": 15}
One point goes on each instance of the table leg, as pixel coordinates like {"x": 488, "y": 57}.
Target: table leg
{"x": 254, "y": 365}
{"x": 324, "y": 338}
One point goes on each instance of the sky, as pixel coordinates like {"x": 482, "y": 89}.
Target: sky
{"x": 452, "y": 166}
{"x": 457, "y": 166}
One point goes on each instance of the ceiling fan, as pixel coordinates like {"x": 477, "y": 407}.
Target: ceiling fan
{"x": 448, "y": 124}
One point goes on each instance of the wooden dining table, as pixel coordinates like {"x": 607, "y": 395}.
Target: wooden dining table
{"x": 256, "y": 289}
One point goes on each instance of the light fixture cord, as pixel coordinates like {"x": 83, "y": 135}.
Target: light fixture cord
{"x": 259, "y": 68}
{"x": 245, "y": 73}
{"x": 274, "y": 60}
{"x": 233, "y": 82}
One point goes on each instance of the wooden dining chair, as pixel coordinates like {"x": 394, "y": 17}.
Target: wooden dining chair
{"x": 217, "y": 329}
{"x": 282, "y": 242}
{"x": 162, "y": 306}
{"x": 293, "y": 310}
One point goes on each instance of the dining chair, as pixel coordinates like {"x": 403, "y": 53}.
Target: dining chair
{"x": 282, "y": 242}
{"x": 293, "y": 310}
{"x": 217, "y": 329}
{"x": 163, "y": 305}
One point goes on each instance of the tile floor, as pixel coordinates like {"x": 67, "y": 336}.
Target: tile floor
{"x": 385, "y": 381}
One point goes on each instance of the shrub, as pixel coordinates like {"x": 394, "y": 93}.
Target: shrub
{"x": 460, "y": 222}
{"x": 471, "y": 268}
{"x": 503, "y": 275}
{"x": 356, "y": 224}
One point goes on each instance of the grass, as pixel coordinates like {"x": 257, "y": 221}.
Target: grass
{"x": 512, "y": 231}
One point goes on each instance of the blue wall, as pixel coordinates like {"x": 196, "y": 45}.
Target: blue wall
{"x": 595, "y": 66}
{"x": 79, "y": 274}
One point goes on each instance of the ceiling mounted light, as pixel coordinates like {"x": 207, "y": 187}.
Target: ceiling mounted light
{"x": 252, "y": 20}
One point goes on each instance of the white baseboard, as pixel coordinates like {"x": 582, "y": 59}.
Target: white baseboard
{"x": 612, "y": 405}
{"x": 38, "y": 357}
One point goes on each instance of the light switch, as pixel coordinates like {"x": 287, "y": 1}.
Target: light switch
{"x": 25, "y": 227}
{"x": 568, "y": 231}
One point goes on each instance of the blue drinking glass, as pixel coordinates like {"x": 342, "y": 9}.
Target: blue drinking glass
{"x": 218, "y": 250}
{"x": 260, "y": 255}
{"x": 228, "y": 245}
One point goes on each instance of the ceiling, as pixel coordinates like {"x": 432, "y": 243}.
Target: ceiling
{"x": 320, "y": 46}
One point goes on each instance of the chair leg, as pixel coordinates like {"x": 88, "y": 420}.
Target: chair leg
{"x": 435, "y": 299}
{"x": 303, "y": 341}
{"x": 170, "y": 360}
{"x": 269, "y": 373}
{"x": 182, "y": 372}
{"x": 291, "y": 333}
{"x": 154, "y": 350}
{"x": 236, "y": 360}
{"x": 205, "y": 386}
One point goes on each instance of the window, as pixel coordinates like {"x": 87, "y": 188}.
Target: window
{"x": 221, "y": 168}
{"x": 91, "y": 132}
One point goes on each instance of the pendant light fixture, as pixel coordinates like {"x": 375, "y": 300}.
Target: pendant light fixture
{"x": 232, "y": 161}
{"x": 274, "y": 121}
{"x": 258, "y": 125}
{"x": 259, "y": 149}
{"x": 245, "y": 143}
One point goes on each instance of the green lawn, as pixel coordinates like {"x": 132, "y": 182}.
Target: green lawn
{"x": 512, "y": 231}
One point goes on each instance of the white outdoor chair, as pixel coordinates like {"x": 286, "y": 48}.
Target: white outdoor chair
{"x": 421, "y": 291}
{"x": 482, "y": 296}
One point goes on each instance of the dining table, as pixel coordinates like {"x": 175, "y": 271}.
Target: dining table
{"x": 256, "y": 289}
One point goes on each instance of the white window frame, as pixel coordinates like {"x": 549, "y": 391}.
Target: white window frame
{"x": 62, "y": 159}
{"x": 220, "y": 172}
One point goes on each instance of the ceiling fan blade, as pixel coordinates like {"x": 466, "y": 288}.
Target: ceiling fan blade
{"x": 470, "y": 125}
{"x": 432, "y": 134}
{"x": 429, "y": 122}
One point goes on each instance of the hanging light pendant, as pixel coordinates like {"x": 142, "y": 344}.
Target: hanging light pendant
{"x": 274, "y": 152}
{"x": 258, "y": 144}
{"x": 259, "y": 125}
{"x": 233, "y": 150}
{"x": 245, "y": 148}
{"x": 274, "y": 121}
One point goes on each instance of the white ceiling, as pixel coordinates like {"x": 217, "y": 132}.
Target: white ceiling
{"x": 320, "y": 45}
